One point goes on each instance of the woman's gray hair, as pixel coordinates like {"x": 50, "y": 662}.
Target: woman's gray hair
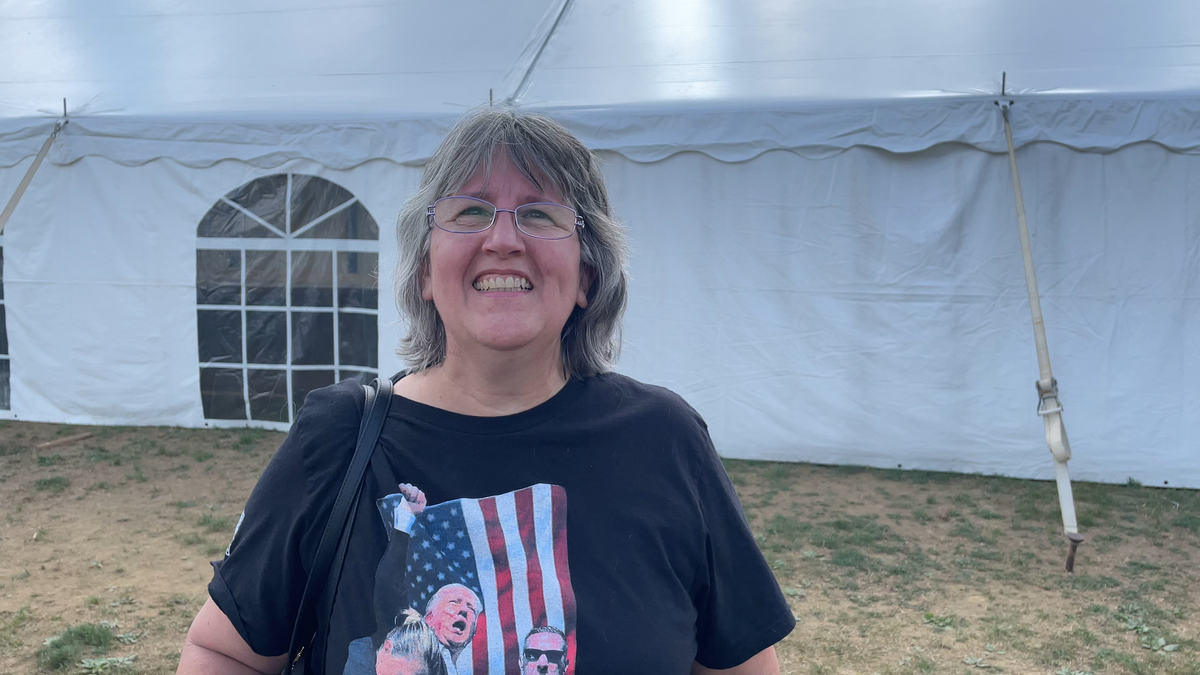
{"x": 544, "y": 152}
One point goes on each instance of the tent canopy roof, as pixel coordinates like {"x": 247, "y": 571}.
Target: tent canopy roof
{"x": 383, "y": 79}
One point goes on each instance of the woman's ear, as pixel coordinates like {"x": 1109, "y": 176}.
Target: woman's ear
{"x": 586, "y": 277}
{"x": 426, "y": 282}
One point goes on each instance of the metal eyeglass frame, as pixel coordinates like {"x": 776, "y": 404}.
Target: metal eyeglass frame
{"x": 495, "y": 210}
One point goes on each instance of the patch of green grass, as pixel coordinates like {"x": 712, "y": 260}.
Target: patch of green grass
{"x": 61, "y": 651}
{"x": 1188, "y": 521}
{"x": 183, "y": 505}
{"x": 99, "y": 453}
{"x": 9, "y": 625}
{"x": 1056, "y": 652}
{"x": 852, "y": 558}
{"x": 1135, "y": 568}
{"x": 213, "y": 523}
{"x": 921, "y": 516}
{"x": 136, "y": 474}
{"x": 54, "y": 484}
{"x": 92, "y": 600}
{"x": 963, "y": 499}
{"x": 967, "y": 530}
{"x": 202, "y": 456}
{"x": 49, "y": 460}
{"x": 943, "y": 622}
{"x": 248, "y": 438}
{"x": 192, "y": 538}
{"x": 1086, "y": 582}
{"x": 1106, "y": 657}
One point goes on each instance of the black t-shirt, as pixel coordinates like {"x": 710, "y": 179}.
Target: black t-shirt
{"x": 597, "y": 532}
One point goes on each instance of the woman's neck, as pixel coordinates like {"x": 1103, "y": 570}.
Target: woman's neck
{"x": 485, "y": 388}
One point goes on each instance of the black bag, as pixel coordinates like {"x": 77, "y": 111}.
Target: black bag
{"x": 317, "y": 600}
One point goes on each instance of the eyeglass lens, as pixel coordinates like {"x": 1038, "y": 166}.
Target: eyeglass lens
{"x": 467, "y": 214}
{"x": 552, "y": 655}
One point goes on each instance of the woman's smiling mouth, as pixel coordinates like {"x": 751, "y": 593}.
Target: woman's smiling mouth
{"x": 496, "y": 282}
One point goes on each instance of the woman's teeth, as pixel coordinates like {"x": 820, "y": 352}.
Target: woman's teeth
{"x": 503, "y": 284}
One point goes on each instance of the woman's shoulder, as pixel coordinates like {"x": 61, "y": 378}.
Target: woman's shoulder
{"x": 626, "y": 395}
{"x": 326, "y": 427}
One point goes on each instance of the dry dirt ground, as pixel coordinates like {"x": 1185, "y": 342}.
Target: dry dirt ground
{"x": 887, "y": 572}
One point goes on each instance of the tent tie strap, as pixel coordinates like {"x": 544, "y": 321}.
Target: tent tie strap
{"x": 1048, "y": 402}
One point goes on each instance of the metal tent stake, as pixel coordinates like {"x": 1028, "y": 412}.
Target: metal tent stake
{"x": 1049, "y": 408}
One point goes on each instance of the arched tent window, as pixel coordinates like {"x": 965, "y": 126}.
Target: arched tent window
{"x": 286, "y": 296}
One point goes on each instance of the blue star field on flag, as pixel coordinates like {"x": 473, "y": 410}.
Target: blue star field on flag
{"x": 440, "y": 553}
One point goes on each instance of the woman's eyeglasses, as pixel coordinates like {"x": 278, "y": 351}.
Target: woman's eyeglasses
{"x": 540, "y": 220}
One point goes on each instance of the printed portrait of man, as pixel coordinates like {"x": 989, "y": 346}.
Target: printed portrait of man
{"x": 544, "y": 652}
{"x": 452, "y": 613}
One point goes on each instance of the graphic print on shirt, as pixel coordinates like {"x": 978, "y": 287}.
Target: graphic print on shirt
{"x": 472, "y": 587}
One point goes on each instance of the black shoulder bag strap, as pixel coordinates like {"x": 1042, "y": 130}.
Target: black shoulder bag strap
{"x": 331, "y": 552}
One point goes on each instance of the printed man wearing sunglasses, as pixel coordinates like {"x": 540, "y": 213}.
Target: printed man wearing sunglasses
{"x": 545, "y": 652}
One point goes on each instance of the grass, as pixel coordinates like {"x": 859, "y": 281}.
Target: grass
{"x": 53, "y": 484}
{"x": 915, "y": 544}
{"x": 61, "y": 651}
{"x": 9, "y": 625}
{"x": 863, "y": 556}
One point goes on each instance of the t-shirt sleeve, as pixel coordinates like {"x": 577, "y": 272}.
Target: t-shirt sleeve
{"x": 741, "y": 610}
{"x": 259, "y": 583}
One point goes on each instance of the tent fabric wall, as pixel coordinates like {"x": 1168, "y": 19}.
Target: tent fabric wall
{"x": 111, "y": 252}
{"x": 870, "y": 308}
{"x": 826, "y": 262}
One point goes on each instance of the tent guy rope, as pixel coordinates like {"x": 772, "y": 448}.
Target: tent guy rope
{"x": 37, "y": 162}
{"x": 1049, "y": 408}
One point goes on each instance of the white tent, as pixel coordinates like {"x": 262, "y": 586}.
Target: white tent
{"x": 826, "y": 259}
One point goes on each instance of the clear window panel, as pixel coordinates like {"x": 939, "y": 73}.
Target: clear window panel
{"x": 3, "y": 329}
{"x": 304, "y": 381}
{"x": 264, "y": 198}
{"x": 352, "y": 222}
{"x": 358, "y": 335}
{"x": 313, "y": 197}
{"x": 312, "y": 279}
{"x": 5, "y": 390}
{"x": 222, "y": 220}
{"x": 268, "y": 395}
{"x": 1, "y": 272}
{"x": 312, "y": 338}
{"x": 221, "y": 393}
{"x": 266, "y": 278}
{"x": 266, "y": 337}
{"x": 218, "y": 277}
{"x": 363, "y": 376}
{"x": 220, "y": 336}
{"x": 358, "y": 279}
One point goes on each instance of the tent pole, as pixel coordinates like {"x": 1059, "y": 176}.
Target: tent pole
{"x": 1049, "y": 408}
{"x": 37, "y": 162}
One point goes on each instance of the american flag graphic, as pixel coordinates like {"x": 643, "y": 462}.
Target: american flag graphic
{"x": 511, "y": 549}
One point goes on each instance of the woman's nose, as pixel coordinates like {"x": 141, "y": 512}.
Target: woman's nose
{"x": 503, "y": 237}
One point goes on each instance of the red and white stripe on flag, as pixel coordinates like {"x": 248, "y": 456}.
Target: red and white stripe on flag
{"x": 520, "y": 545}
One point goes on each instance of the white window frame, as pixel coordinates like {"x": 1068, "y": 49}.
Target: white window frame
{"x": 286, "y": 242}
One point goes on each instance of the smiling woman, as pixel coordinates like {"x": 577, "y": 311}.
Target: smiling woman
{"x": 512, "y": 275}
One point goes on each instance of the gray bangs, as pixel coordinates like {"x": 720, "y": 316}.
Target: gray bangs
{"x": 544, "y": 152}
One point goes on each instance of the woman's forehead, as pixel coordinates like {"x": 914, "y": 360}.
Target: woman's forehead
{"x": 500, "y": 169}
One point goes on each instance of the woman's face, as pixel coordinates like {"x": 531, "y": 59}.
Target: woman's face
{"x": 467, "y": 275}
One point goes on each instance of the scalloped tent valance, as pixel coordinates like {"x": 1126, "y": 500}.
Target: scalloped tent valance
{"x": 205, "y": 82}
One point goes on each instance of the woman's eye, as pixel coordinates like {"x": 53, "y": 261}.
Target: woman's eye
{"x": 473, "y": 211}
